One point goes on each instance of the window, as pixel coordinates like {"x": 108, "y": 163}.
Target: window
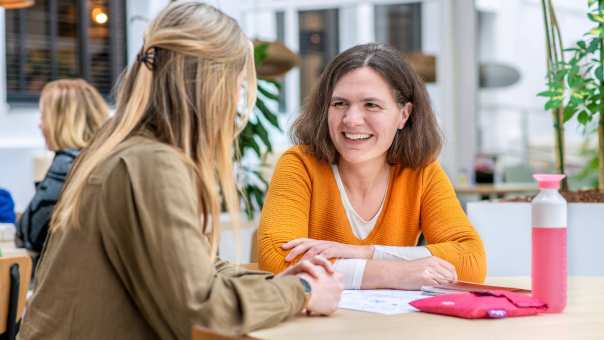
{"x": 57, "y": 39}
{"x": 318, "y": 45}
{"x": 280, "y": 28}
{"x": 400, "y": 26}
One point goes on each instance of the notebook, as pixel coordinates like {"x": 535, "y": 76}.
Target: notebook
{"x": 462, "y": 286}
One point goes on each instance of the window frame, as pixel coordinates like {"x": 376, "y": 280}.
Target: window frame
{"x": 117, "y": 33}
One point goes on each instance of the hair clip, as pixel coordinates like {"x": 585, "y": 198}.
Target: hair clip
{"x": 147, "y": 57}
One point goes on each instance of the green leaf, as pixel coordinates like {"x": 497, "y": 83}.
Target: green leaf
{"x": 574, "y": 80}
{"x": 595, "y": 18}
{"x": 246, "y": 143}
{"x": 259, "y": 196}
{"x": 260, "y": 53}
{"x": 276, "y": 83}
{"x": 260, "y": 177}
{"x": 552, "y": 104}
{"x": 581, "y": 44}
{"x": 267, "y": 93}
{"x": 261, "y": 132}
{"x": 583, "y": 117}
{"x": 570, "y": 49}
{"x": 546, "y": 93}
{"x": 270, "y": 117}
{"x": 593, "y": 107}
{"x": 599, "y": 73}
{"x": 569, "y": 112}
{"x": 575, "y": 99}
{"x": 560, "y": 75}
{"x": 594, "y": 45}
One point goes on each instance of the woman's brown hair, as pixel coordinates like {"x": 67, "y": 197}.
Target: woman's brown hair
{"x": 414, "y": 146}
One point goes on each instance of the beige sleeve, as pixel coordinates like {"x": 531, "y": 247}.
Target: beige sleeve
{"x": 159, "y": 253}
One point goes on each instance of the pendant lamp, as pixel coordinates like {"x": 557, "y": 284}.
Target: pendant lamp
{"x": 279, "y": 60}
{"x": 16, "y": 4}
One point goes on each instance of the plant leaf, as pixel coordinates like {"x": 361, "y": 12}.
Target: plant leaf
{"x": 270, "y": 117}
{"x": 569, "y": 112}
{"x": 599, "y": 73}
{"x": 276, "y": 83}
{"x": 546, "y": 93}
{"x": 260, "y": 53}
{"x": 261, "y": 132}
{"x": 583, "y": 117}
{"x": 267, "y": 93}
{"x": 552, "y": 104}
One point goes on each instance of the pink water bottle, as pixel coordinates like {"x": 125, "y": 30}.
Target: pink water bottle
{"x": 548, "y": 215}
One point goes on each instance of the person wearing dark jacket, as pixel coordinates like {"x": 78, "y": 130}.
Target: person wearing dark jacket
{"x": 33, "y": 224}
{"x": 72, "y": 111}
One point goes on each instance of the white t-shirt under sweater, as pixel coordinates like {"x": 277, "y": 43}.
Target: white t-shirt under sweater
{"x": 352, "y": 270}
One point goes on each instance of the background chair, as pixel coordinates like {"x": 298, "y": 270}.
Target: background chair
{"x": 15, "y": 273}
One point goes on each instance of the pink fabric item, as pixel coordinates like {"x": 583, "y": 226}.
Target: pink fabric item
{"x": 474, "y": 305}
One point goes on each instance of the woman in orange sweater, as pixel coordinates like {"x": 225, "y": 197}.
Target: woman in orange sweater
{"x": 363, "y": 182}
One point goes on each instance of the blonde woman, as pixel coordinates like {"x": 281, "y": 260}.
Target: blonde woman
{"x": 131, "y": 252}
{"x": 72, "y": 111}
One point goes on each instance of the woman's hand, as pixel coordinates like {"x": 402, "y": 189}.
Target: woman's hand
{"x": 328, "y": 249}
{"x": 326, "y": 290}
{"x": 326, "y": 284}
{"x": 408, "y": 275}
{"x": 427, "y": 271}
{"x": 310, "y": 267}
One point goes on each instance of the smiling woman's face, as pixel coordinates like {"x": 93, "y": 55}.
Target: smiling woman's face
{"x": 364, "y": 116}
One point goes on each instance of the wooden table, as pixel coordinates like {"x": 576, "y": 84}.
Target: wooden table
{"x": 582, "y": 319}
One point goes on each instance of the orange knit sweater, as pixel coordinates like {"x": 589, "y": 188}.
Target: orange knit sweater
{"x": 303, "y": 201}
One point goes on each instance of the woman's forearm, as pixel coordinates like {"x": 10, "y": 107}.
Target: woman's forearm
{"x": 380, "y": 274}
{"x": 407, "y": 275}
{"x": 399, "y": 253}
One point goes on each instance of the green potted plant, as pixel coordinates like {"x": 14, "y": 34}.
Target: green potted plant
{"x": 272, "y": 60}
{"x": 554, "y": 55}
{"x": 574, "y": 91}
{"x": 575, "y": 87}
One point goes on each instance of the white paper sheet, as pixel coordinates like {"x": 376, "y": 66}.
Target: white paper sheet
{"x": 383, "y": 301}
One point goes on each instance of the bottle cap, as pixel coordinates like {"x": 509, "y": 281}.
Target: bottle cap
{"x": 548, "y": 181}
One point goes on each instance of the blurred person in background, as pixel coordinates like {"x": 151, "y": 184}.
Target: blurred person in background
{"x": 72, "y": 111}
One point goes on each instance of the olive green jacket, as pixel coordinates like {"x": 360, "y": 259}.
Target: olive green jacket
{"x": 138, "y": 265}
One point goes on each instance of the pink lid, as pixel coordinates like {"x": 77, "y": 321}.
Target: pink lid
{"x": 548, "y": 181}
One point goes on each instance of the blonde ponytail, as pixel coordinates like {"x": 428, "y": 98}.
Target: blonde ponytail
{"x": 183, "y": 90}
